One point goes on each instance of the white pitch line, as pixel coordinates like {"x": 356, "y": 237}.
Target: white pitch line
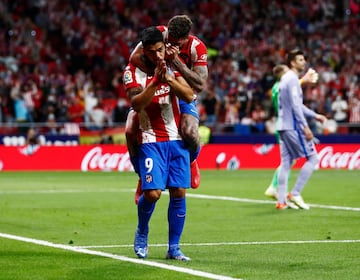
{"x": 230, "y": 243}
{"x": 202, "y": 196}
{"x": 66, "y": 191}
{"x": 249, "y": 200}
{"x": 118, "y": 257}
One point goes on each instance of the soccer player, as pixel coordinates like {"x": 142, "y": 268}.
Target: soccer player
{"x": 296, "y": 138}
{"x": 163, "y": 159}
{"x": 279, "y": 70}
{"x": 188, "y": 55}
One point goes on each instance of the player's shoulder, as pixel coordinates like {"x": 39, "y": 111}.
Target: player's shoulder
{"x": 163, "y": 29}
{"x": 192, "y": 37}
{"x": 289, "y": 76}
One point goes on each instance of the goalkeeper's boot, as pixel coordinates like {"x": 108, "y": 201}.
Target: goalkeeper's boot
{"x": 271, "y": 192}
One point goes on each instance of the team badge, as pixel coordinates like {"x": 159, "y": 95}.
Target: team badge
{"x": 149, "y": 178}
{"x": 127, "y": 77}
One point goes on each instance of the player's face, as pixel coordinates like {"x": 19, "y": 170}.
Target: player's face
{"x": 155, "y": 52}
{"x": 300, "y": 63}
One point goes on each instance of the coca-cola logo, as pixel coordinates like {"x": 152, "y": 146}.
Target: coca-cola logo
{"x": 339, "y": 160}
{"x": 95, "y": 159}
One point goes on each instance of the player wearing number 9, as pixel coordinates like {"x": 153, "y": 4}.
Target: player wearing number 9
{"x": 163, "y": 158}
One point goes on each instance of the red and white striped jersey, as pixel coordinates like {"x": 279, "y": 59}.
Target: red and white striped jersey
{"x": 193, "y": 53}
{"x": 159, "y": 121}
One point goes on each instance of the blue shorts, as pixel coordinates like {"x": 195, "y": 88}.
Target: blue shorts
{"x": 189, "y": 108}
{"x": 164, "y": 164}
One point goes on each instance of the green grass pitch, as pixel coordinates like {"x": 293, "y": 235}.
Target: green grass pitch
{"x": 74, "y": 225}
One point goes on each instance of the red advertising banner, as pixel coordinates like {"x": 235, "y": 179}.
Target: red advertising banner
{"x": 66, "y": 158}
{"x": 264, "y": 156}
{"x": 212, "y": 156}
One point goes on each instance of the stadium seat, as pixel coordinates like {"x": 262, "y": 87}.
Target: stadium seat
{"x": 243, "y": 129}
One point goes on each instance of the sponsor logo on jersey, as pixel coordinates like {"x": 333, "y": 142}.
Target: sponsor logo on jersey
{"x": 164, "y": 89}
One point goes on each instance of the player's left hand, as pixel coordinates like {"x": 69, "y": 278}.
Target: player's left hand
{"x": 321, "y": 118}
{"x": 171, "y": 52}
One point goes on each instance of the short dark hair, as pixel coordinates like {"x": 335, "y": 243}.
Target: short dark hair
{"x": 292, "y": 55}
{"x": 150, "y": 36}
{"x": 179, "y": 26}
{"x": 279, "y": 70}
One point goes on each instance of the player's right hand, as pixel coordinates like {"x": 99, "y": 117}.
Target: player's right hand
{"x": 311, "y": 76}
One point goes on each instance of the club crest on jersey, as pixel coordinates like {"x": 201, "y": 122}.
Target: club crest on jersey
{"x": 128, "y": 77}
{"x": 149, "y": 178}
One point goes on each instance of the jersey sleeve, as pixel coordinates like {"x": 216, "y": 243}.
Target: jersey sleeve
{"x": 308, "y": 112}
{"x": 129, "y": 78}
{"x": 201, "y": 54}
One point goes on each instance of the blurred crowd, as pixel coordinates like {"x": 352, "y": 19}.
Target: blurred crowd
{"x": 61, "y": 61}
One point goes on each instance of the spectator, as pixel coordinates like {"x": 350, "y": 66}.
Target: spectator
{"x": 232, "y": 107}
{"x": 339, "y": 108}
{"x": 76, "y": 111}
{"x": 258, "y": 118}
{"x": 120, "y": 111}
{"x": 354, "y": 118}
{"x": 21, "y": 108}
{"x": 98, "y": 118}
{"x": 211, "y": 103}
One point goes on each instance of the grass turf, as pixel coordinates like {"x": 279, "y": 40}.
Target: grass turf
{"x": 225, "y": 234}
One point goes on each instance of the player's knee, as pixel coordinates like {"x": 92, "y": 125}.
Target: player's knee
{"x": 152, "y": 195}
{"x": 177, "y": 192}
{"x": 190, "y": 133}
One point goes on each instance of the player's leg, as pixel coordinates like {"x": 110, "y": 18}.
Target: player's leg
{"x": 287, "y": 155}
{"x": 189, "y": 125}
{"x": 149, "y": 155}
{"x": 131, "y": 134}
{"x": 177, "y": 184}
{"x": 304, "y": 174}
{"x": 271, "y": 191}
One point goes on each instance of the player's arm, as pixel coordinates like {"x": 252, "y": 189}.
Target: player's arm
{"x": 177, "y": 83}
{"x": 196, "y": 77}
{"x": 312, "y": 114}
{"x": 181, "y": 88}
{"x": 140, "y": 97}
